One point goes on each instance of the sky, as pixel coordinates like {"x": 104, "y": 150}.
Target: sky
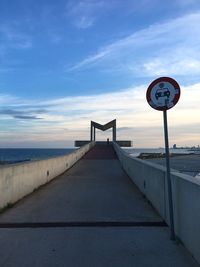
{"x": 65, "y": 63}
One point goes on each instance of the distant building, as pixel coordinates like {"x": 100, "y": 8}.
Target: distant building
{"x": 174, "y": 146}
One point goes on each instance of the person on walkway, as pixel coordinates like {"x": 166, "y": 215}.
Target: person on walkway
{"x": 108, "y": 141}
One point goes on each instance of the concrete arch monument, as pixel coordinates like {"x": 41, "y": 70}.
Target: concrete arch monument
{"x": 95, "y": 125}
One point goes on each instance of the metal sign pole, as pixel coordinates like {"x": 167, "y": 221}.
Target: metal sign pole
{"x": 168, "y": 176}
{"x": 163, "y": 94}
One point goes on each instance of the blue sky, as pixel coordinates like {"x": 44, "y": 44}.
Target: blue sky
{"x": 64, "y": 63}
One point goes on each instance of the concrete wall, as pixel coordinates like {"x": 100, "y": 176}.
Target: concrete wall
{"x": 123, "y": 143}
{"x": 18, "y": 180}
{"x": 152, "y": 182}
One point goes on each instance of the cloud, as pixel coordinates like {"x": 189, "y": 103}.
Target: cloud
{"x": 84, "y": 22}
{"x": 124, "y": 128}
{"x": 186, "y": 66}
{"x": 84, "y": 13}
{"x": 136, "y": 120}
{"x": 22, "y": 114}
{"x": 13, "y": 38}
{"x": 24, "y": 117}
{"x": 169, "y": 47}
{"x": 7, "y": 99}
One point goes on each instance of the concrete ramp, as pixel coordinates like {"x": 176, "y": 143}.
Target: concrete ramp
{"x": 101, "y": 152}
{"x": 92, "y": 215}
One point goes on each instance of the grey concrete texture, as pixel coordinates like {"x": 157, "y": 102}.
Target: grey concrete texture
{"x": 96, "y": 247}
{"x": 93, "y": 190}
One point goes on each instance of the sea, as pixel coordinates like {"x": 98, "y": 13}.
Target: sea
{"x": 16, "y": 155}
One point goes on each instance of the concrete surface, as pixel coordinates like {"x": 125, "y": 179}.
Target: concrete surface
{"x": 93, "y": 190}
{"x": 152, "y": 182}
{"x": 91, "y": 247}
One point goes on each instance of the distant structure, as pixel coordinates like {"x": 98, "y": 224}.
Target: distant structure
{"x": 94, "y": 125}
{"x": 174, "y": 146}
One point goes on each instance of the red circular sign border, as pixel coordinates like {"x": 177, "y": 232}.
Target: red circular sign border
{"x": 163, "y": 79}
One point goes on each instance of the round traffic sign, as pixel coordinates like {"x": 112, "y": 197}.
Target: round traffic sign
{"x": 163, "y": 93}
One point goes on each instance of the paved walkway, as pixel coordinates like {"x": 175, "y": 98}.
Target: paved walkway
{"x": 92, "y": 215}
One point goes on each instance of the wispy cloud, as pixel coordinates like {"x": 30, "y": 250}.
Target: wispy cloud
{"x": 25, "y": 117}
{"x": 13, "y": 37}
{"x": 176, "y": 66}
{"x": 84, "y": 13}
{"x": 8, "y": 99}
{"x": 168, "y": 47}
{"x": 22, "y": 114}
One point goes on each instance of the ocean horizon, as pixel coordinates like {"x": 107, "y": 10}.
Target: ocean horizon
{"x": 16, "y": 155}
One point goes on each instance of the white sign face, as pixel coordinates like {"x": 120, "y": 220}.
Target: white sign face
{"x": 163, "y": 93}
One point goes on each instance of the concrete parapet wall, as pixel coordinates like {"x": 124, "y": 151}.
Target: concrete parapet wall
{"x": 152, "y": 181}
{"x": 123, "y": 143}
{"x": 18, "y": 180}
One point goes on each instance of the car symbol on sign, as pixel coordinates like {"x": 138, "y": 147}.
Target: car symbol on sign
{"x": 164, "y": 92}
